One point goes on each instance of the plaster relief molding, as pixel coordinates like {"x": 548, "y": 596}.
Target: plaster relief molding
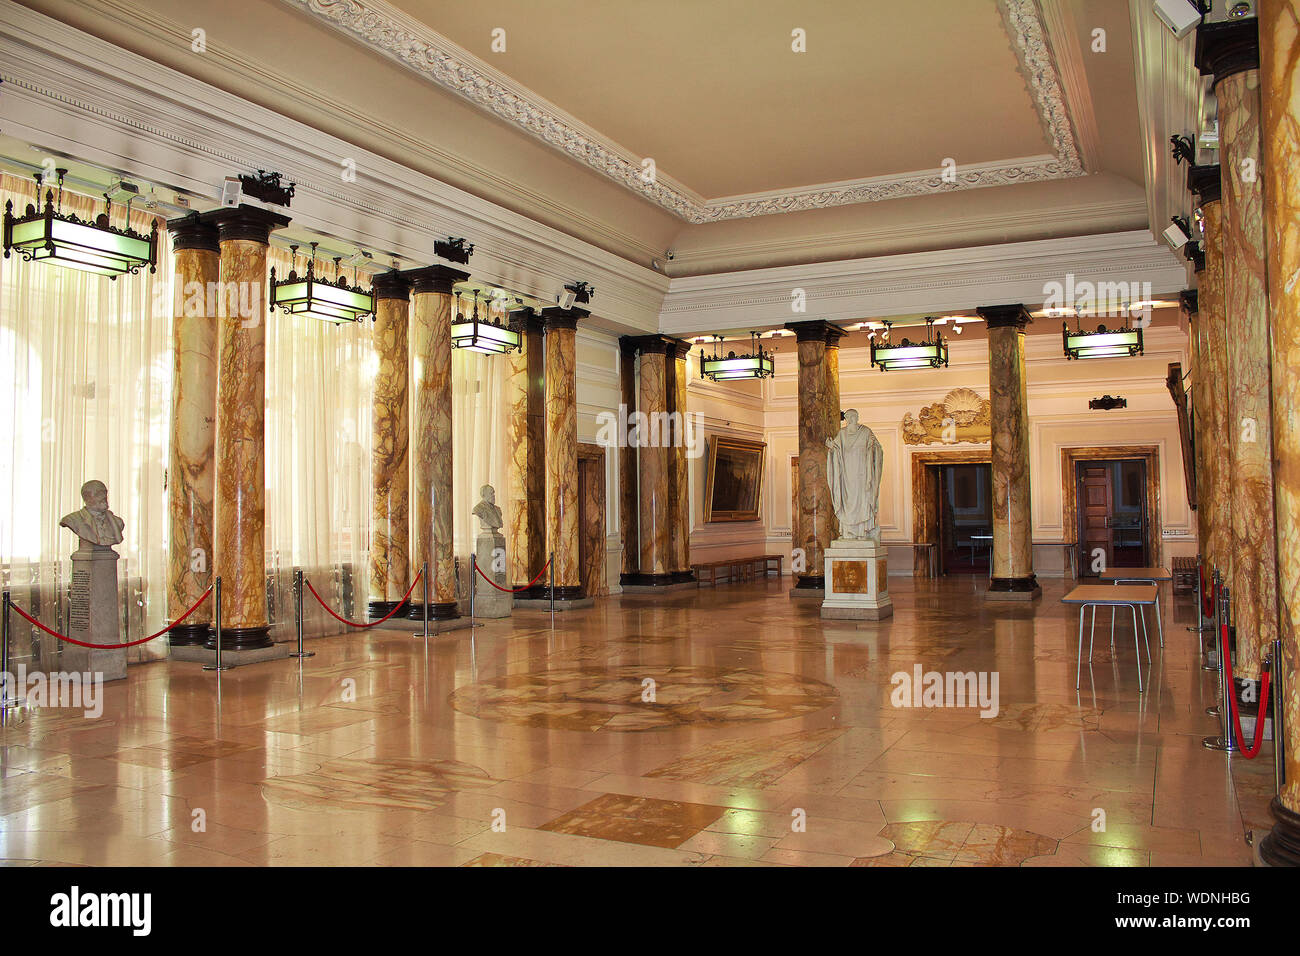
{"x": 76, "y": 94}
{"x": 919, "y": 283}
{"x": 390, "y": 32}
{"x": 969, "y": 413}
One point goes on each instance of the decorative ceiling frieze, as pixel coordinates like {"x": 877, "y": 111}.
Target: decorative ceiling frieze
{"x": 387, "y": 30}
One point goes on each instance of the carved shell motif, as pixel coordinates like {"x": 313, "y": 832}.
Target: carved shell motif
{"x": 965, "y": 406}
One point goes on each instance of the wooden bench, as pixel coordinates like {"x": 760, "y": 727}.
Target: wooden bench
{"x": 1184, "y": 569}
{"x": 738, "y": 569}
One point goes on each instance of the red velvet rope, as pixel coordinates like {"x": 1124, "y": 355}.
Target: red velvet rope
{"x": 513, "y": 590}
{"x": 112, "y": 647}
{"x": 372, "y": 623}
{"x": 1248, "y": 752}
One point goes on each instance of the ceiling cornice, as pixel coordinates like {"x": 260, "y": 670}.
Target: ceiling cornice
{"x": 388, "y": 31}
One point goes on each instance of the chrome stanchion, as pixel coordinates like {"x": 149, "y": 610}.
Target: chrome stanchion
{"x": 5, "y": 677}
{"x": 1200, "y": 627}
{"x": 297, "y": 609}
{"x": 1278, "y": 691}
{"x": 473, "y": 585}
{"x": 1214, "y": 624}
{"x": 216, "y": 619}
{"x": 552, "y": 563}
{"x": 425, "y": 573}
{"x": 1225, "y": 742}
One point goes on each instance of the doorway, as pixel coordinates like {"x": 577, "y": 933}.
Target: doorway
{"x": 965, "y": 518}
{"x": 1113, "y": 529}
{"x": 591, "y": 520}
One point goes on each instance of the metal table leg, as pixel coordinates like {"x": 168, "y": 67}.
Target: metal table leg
{"x": 1078, "y": 670}
{"x": 1136, "y": 649}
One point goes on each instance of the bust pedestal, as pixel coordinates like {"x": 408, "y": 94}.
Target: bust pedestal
{"x": 95, "y": 615}
{"x": 490, "y": 547}
{"x": 857, "y": 584}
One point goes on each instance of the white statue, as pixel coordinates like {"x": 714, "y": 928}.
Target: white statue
{"x": 854, "y": 467}
{"x": 487, "y": 512}
{"x": 94, "y": 525}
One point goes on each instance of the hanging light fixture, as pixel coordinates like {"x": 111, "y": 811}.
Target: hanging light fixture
{"x": 335, "y": 301}
{"x": 932, "y": 353}
{"x": 491, "y": 337}
{"x": 757, "y": 363}
{"x": 47, "y": 235}
{"x": 1104, "y": 343}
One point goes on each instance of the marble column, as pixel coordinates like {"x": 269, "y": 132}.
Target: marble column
{"x": 1230, "y": 52}
{"x": 628, "y": 518}
{"x": 431, "y": 314}
{"x": 526, "y": 469}
{"x": 1218, "y": 550}
{"x": 1201, "y": 434}
{"x": 819, "y": 419}
{"x": 1013, "y": 554}
{"x": 679, "y": 493}
{"x": 191, "y": 475}
{"x": 653, "y": 463}
{"x": 239, "y": 511}
{"x": 1279, "y": 41}
{"x": 390, "y": 558}
{"x": 562, "y": 449}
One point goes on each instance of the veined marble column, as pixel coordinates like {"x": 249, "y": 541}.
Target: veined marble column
{"x": 1218, "y": 551}
{"x": 239, "y": 522}
{"x": 627, "y": 477}
{"x": 653, "y": 462}
{"x": 679, "y": 495}
{"x": 390, "y": 558}
{"x": 525, "y": 512}
{"x": 819, "y": 419}
{"x": 1013, "y": 576}
{"x": 1201, "y": 434}
{"x": 562, "y": 448}
{"x": 1279, "y": 41}
{"x": 1230, "y": 52}
{"x": 431, "y": 315}
{"x": 191, "y": 476}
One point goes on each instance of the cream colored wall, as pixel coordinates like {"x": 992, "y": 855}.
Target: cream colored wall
{"x": 1059, "y": 418}
{"x": 598, "y": 392}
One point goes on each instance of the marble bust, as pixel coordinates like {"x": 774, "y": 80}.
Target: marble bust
{"x": 487, "y": 512}
{"x": 97, "y": 528}
{"x": 854, "y": 465}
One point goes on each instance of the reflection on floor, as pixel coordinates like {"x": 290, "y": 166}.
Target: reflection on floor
{"x": 721, "y": 727}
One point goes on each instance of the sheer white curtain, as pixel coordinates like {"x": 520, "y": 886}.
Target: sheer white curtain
{"x": 479, "y": 452}
{"x": 318, "y": 451}
{"x": 85, "y": 364}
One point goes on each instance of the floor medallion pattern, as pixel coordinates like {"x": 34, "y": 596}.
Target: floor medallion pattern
{"x": 611, "y": 698}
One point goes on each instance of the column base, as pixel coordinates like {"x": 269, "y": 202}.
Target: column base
{"x": 240, "y": 638}
{"x": 639, "y": 579}
{"x": 189, "y": 635}
{"x": 1013, "y": 589}
{"x": 438, "y": 611}
{"x": 809, "y": 587}
{"x": 380, "y": 609}
{"x": 1282, "y": 845}
{"x": 684, "y": 577}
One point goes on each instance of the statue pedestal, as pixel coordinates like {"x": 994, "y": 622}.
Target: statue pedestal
{"x": 488, "y": 601}
{"x": 857, "y": 584}
{"x": 95, "y": 615}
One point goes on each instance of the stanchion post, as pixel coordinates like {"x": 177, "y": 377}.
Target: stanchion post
{"x": 473, "y": 585}
{"x": 297, "y": 610}
{"x": 5, "y": 701}
{"x": 552, "y": 564}
{"x": 1277, "y": 690}
{"x": 425, "y": 574}
{"x": 216, "y": 619}
{"x": 1226, "y": 742}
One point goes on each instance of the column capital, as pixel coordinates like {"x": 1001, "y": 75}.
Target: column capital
{"x": 656, "y": 344}
{"x": 524, "y": 319}
{"x": 1003, "y": 316}
{"x": 1189, "y": 299}
{"x": 244, "y": 222}
{"x": 557, "y": 318}
{"x": 436, "y": 278}
{"x": 1227, "y": 47}
{"x": 390, "y": 285}
{"x": 681, "y": 348}
{"x": 816, "y": 329}
{"x": 191, "y": 232}
{"x": 1204, "y": 182}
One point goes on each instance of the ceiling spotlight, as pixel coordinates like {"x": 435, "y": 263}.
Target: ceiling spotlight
{"x": 1180, "y": 16}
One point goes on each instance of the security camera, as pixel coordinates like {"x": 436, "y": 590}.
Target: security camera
{"x": 1176, "y": 234}
{"x": 1180, "y": 16}
{"x": 232, "y": 192}
{"x": 566, "y": 299}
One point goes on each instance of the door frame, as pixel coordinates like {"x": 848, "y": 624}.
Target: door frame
{"x": 588, "y": 452}
{"x": 1148, "y": 454}
{"x": 925, "y": 498}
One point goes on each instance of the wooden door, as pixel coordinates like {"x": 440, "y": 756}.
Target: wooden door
{"x": 591, "y": 524}
{"x": 1096, "y": 498}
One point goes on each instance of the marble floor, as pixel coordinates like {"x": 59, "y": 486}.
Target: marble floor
{"x": 719, "y": 727}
